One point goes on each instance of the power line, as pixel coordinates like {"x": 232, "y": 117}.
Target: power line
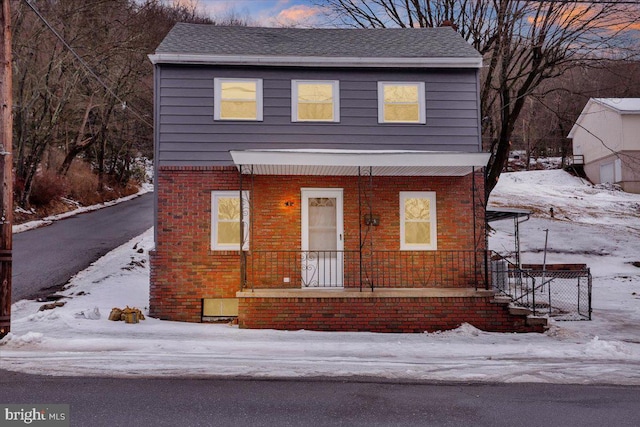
{"x": 85, "y": 65}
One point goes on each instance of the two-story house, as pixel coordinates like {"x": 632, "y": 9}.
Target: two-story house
{"x": 326, "y": 179}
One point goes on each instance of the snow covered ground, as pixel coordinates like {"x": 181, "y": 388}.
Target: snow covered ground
{"x": 596, "y": 226}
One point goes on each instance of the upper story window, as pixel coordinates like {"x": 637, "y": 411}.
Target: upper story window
{"x": 418, "y": 226}
{"x": 315, "y": 101}
{"x": 401, "y": 102}
{"x": 238, "y": 99}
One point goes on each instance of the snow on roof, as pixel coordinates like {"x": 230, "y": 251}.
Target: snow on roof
{"x": 622, "y": 105}
{"x": 619, "y": 105}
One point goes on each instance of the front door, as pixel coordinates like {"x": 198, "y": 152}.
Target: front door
{"x": 322, "y": 238}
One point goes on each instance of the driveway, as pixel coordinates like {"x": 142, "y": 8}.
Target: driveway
{"x": 44, "y": 259}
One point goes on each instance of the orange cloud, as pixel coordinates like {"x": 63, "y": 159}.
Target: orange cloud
{"x": 574, "y": 16}
{"x": 622, "y": 21}
{"x": 621, "y": 27}
{"x": 578, "y": 12}
{"x": 569, "y": 15}
{"x": 299, "y": 14}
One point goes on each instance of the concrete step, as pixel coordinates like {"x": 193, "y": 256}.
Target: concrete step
{"x": 519, "y": 311}
{"x": 537, "y": 321}
{"x": 501, "y": 300}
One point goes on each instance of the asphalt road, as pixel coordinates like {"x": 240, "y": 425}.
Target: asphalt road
{"x": 45, "y": 258}
{"x": 242, "y": 402}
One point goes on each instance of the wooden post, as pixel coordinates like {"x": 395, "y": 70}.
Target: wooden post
{"x": 6, "y": 166}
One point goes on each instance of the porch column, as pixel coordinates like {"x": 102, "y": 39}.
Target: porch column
{"x": 245, "y": 208}
{"x": 371, "y": 228}
{"x": 367, "y": 189}
{"x": 243, "y": 257}
{"x": 360, "y": 227}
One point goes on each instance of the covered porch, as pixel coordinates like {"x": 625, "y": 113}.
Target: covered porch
{"x": 336, "y": 240}
{"x": 348, "y": 226}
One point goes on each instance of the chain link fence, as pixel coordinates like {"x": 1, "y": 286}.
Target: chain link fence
{"x": 561, "y": 291}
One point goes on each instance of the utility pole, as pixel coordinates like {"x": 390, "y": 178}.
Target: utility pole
{"x": 6, "y": 169}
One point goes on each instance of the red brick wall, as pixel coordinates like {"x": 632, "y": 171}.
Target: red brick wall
{"x": 380, "y": 314}
{"x": 453, "y": 201}
{"x": 276, "y": 227}
{"x": 185, "y": 269}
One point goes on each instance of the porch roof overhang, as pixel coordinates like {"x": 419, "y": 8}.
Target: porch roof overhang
{"x": 355, "y": 162}
{"x": 497, "y": 214}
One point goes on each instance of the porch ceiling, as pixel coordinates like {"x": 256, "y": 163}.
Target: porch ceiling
{"x": 354, "y": 162}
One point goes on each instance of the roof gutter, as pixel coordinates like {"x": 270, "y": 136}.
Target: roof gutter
{"x": 318, "y": 61}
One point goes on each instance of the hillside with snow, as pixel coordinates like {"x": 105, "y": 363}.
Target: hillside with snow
{"x": 592, "y": 225}
{"x": 572, "y": 198}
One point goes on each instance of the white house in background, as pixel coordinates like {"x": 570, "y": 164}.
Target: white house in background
{"x": 607, "y": 135}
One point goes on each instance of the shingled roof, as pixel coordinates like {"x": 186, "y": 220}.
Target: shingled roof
{"x": 410, "y": 46}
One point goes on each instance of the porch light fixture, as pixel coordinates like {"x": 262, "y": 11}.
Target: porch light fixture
{"x": 289, "y": 203}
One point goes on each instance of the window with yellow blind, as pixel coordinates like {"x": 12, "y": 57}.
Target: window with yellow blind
{"x": 237, "y": 99}
{"x": 418, "y": 228}
{"x": 315, "y": 101}
{"x": 225, "y": 220}
{"x": 401, "y": 102}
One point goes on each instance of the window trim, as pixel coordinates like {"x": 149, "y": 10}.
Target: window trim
{"x": 336, "y": 101}
{"x": 215, "y": 195}
{"x": 217, "y": 99}
{"x": 431, "y": 195}
{"x": 422, "y": 110}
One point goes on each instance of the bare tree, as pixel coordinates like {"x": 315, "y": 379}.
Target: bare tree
{"x": 93, "y": 97}
{"x": 524, "y": 43}
{"x": 43, "y": 86}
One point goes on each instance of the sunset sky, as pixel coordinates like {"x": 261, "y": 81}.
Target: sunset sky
{"x": 268, "y": 12}
{"x": 312, "y": 13}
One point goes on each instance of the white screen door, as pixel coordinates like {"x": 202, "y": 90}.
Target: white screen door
{"x": 322, "y": 238}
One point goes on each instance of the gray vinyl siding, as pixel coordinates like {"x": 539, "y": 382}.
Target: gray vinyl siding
{"x": 187, "y": 134}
